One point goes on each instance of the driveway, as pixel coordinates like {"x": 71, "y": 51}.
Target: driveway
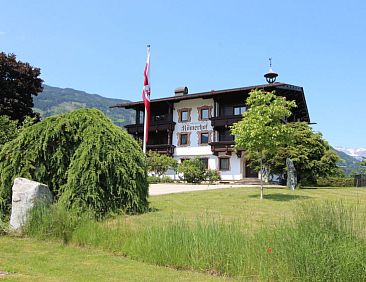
{"x": 171, "y": 188}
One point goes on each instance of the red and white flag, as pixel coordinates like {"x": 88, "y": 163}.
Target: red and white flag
{"x": 146, "y": 97}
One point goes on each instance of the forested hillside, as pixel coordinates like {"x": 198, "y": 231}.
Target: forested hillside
{"x": 55, "y": 100}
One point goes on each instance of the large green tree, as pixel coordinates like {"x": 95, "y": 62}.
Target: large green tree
{"x": 18, "y": 83}
{"x": 310, "y": 152}
{"x": 263, "y": 128}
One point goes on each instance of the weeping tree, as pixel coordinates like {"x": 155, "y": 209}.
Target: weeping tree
{"x": 86, "y": 161}
{"x": 263, "y": 129}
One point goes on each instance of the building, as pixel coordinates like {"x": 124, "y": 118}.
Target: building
{"x": 197, "y": 125}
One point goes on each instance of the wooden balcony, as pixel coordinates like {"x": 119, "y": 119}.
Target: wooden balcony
{"x": 224, "y": 121}
{"x": 162, "y": 149}
{"x": 161, "y": 125}
{"x": 224, "y": 147}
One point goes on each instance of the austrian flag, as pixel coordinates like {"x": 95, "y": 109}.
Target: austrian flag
{"x": 146, "y": 98}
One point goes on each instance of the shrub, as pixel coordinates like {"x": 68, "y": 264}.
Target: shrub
{"x": 152, "y": 179}
{"x": 212, "y": 175}
{"x": 158, "y": 164}
{"x": 193, "y": 170}
{"x": 166, "y": 179}
{"x": 87, "y": 162}
{"x": 335, "y": 182}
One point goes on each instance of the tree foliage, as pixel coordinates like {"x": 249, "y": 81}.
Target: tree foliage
{"x": 311, "y": 154}
{"x": 263, "y": 129}
{"x": 8, "y": 130}
{"x": 18, "y": 83}
{"x": 158, "y": 164}
{"x": 86, "y": 161}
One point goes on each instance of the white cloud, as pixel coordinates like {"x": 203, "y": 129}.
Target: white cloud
{"x": 2, "y": 33}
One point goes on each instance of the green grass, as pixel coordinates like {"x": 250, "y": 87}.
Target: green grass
{"x": 310, "y": 233}
{"x": 34, "y": 260}
{"x": 322, "y": 242}
{"x": 240, "y": 204}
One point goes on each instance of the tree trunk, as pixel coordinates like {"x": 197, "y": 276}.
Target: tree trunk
{"x": 261, "y": 178}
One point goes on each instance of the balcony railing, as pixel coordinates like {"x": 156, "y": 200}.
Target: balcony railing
{"x": 162, "y": 149}
{"x": 224, "y": 121}
{"x": 224, "y": 147}
{"x": 161, "y": 125}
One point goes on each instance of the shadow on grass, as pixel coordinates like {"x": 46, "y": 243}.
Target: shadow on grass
{"x": 152, "y": 209}
{"x": 281, "y": 197}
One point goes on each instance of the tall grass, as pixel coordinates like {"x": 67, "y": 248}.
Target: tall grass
{"x": 46, "y": 221}
{"x": 4, "y": 227}
{"x": 325, "y": 242}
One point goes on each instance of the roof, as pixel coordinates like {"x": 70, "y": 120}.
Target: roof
{"x": 212, "y": 93}
{"x": 282, "y": 89}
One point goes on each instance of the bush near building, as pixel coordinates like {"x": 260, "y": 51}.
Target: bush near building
{"x": 158, "y": 164}
{"x": 194, "y": 171}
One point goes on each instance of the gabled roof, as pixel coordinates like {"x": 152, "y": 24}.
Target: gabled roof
{"x": 282, "y": 89}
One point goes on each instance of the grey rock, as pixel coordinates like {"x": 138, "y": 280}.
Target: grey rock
{"x": 291, "y": 174}
{"x": 25, "y": 193}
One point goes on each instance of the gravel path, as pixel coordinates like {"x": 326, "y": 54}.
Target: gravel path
{"x": 171, "y": 188}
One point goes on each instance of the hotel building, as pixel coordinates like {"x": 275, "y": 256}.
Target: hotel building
{"x": 198, "y": 125}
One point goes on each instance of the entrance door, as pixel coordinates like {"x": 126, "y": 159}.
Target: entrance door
{"x": 249, "y": 172}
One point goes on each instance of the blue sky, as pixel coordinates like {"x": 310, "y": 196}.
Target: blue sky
{"x": 100, "y": 47}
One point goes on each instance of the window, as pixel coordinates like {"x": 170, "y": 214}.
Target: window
{"x": 225, "y": 135}
{"x": 204, "y": 114}
{"x": 239, "y": 110}
{"x": 205, "y": 162}
{"x": 204, "y": 138}
{"x": 184, "y": 115}
{"x": 184, "y": 139}
{"x": 140, "y": 117}
{"x": 224, "y": 164}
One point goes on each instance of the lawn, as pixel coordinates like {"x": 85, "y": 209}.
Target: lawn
{"x": 34, "y": 260}
{"x": 188, "y": 231}
{"x": 241, "y": 204}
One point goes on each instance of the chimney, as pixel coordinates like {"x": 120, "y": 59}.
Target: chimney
{"x": 180, "y": 91}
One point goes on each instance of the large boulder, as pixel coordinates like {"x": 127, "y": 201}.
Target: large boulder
{"x": 25, "y": 194}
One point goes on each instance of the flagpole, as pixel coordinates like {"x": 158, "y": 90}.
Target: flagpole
{"x": 145, "y": 121}
{"x": 146, "y": 113}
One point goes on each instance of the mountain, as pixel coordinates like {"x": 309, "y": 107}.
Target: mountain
{"x": 55, "y": 100}
{"x": 358, "y": 153}
{"x": 348, "y": 163}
